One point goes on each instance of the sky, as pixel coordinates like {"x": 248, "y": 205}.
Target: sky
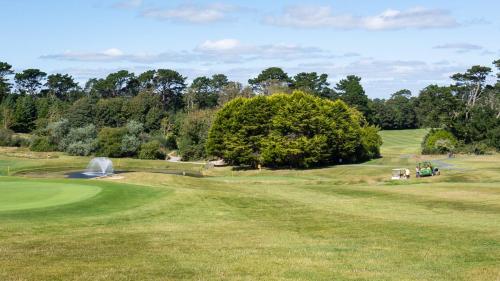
{"x": 391, "y": 45}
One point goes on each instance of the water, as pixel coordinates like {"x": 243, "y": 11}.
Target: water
{"x": 99, "y": 166}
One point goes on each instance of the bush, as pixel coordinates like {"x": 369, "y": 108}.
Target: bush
{"x": 439, "y": 142}
{"x": 6, "y": 137}
{"x": 151, "y": 150}
{"x": 110, "y": 141}
{"x": 57, "y": 131}
{"x": 41, "y": 144}
{"x": 82, "y": 148}
{"x": 80, "y": 141}
{"x": 130, "y": 145}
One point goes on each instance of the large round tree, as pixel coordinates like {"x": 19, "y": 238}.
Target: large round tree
{"x": 296, "y": 130}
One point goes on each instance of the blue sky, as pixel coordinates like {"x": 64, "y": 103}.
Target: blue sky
{"x": 390, "y": 44}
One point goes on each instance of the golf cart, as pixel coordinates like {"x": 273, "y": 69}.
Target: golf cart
{"x": 427, "y": 169}
{"x": 400, "y": 174}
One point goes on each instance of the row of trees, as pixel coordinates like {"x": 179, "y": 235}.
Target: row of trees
{"x": 168, "y": 106}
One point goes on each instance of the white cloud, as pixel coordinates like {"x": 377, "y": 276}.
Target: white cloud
{"x": 324, "y": 17}
{"x": 209, "y": 51}
{"x": 192, "y": 13}
{"x": 222, "y": 45}
{"x": 460, "y": 47}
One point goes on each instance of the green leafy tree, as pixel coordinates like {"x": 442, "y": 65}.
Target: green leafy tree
{"x": 436, "y": 106}
{"x": 62, "y": 86}
{"x": 170, "y": 85}
{"x": 146, "y": 80}
{"x": 24, "y": 114}
{"x": 351, "y": 92}
{"x": 82, "y": 112}
{"x": 271, "y": 80}
{"x": 297, "y": 130}
{"x": 403, "y": 110}
{"x": 110, "y": 141}
{"x": 147, "y": 109}
{"x": 109, "y": 113}
{"x": 29, "y": 81}
{"x": 310, "y": 82}
{"x": 469, "y": 86}
{"x": 193, "y": 133}
{"x": 5, "y": 71}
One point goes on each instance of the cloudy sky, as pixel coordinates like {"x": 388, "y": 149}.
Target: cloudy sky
{"x": 390, "y": 44}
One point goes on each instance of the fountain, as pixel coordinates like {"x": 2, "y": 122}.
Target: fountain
{"x": 99, "y": 166}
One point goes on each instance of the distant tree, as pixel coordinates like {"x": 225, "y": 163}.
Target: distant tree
{"x": 146, "y": 80}
{"x": 145, "y": 108}
{"x": 218, "y": 82}
{"x": 29, "y": 81}
{"x": 24, "y": 114}
{"x": 200, "y": 94}
{"x": 231, "y": 91}
{"x": 436, "y": 106}
{"x": 313, "y": 84}
{"x": 109, "y": 113}
{"x": 170, "y": 85}
{"x": 193, "y": 134}
{"x": 470, "y": 85}
{"x": 61, "y": 86}
{"x": 5, "y": 71}
{"x": 271, "y": 80}
{"x": 403, "y": 109}
{"x": 82, "y": 112}
{"x": 351, "y": 92}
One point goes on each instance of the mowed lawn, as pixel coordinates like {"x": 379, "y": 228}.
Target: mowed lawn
{"x": 346, "y": 222}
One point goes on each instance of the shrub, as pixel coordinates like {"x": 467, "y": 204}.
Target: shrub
{"x": 110, "y": 141}
{"x": 41, "y": 144}
{"x": 151, "y": 150}
{"x": 130, "y": 145}
{"x": 57, "y": 131}
{"x": 439, "y": 142}
{"x": 6, "y": 137}
{"x": 80, "y": 141}
{"x": 82, "y": 148}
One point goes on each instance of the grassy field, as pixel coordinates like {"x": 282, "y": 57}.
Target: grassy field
{"x": 346, "y": 222}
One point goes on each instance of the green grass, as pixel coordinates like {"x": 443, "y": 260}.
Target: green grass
{"x": 21, "y": 194}
{"x": 340, "y": 223}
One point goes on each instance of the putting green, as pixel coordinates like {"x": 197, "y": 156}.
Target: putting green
{"x": 21, "y": 195}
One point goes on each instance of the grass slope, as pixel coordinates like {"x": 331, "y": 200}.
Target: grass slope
{"x": 339, "y": 223}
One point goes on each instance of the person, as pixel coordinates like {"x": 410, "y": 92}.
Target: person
{"x": 407, "y": 173}
{"x": 417, "y": 172}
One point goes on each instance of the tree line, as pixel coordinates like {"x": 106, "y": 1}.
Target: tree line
{"x": 172, "y": 114}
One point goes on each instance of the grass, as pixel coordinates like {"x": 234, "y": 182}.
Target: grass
{"x": 339, "y": 223}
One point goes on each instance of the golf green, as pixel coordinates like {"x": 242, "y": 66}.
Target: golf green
{"x": 21, "y": 195}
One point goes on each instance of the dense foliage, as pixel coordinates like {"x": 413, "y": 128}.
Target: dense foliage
{"x": 439, "y": 142}
{"x": 119, "y": 114}
{"x": 290, "y": 130}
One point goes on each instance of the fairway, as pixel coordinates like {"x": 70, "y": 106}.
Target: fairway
{"x": 346, "y": 222}
{"x": 21, "y": 195}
